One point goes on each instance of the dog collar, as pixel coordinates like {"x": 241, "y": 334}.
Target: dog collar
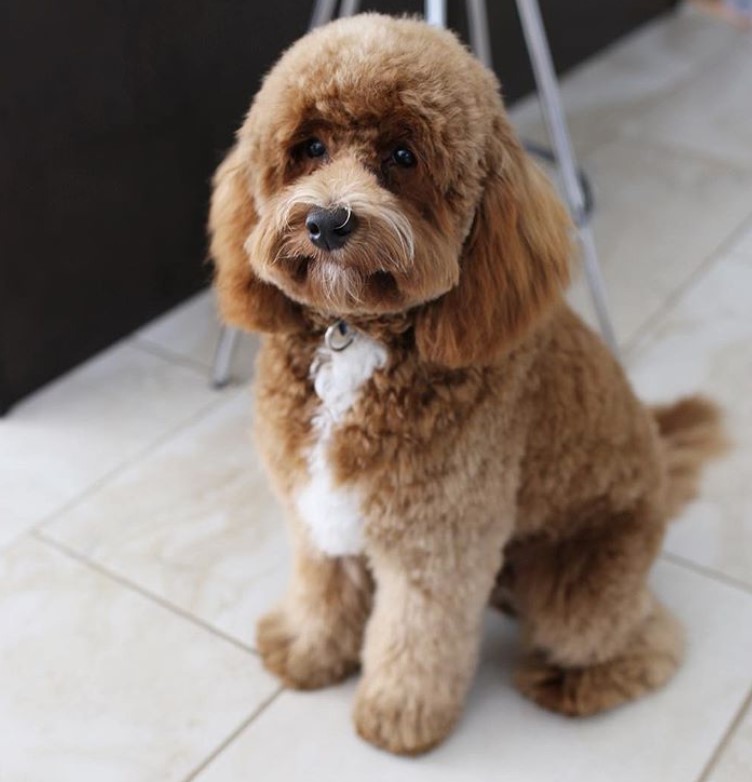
{"x": 339, "y": 336}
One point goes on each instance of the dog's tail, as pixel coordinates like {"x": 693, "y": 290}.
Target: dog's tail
{"x": 692, "y": 432}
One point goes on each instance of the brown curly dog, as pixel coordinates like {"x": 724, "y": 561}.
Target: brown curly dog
{"x": 439, "y": 425}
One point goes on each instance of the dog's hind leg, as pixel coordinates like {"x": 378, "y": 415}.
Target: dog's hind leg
{"x": 594, "y": 635}
{"x": 314, "y": 637}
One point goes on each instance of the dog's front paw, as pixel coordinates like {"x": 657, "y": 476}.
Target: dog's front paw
{"x": 304, "y": 657}
{"x": 402, "y": 717}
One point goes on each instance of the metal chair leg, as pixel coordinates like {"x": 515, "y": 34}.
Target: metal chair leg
{"x": 323, "y": 11}
{"x": 226, "y": 344}
{"x": 550, "y": 98}
{"x": 434, "y": 12}
{"x": 349, "y": 8}
{"x": 480, "y": 40}
{"x": 597, "y": 286}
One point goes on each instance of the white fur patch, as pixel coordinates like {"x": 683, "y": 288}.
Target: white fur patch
{"x": 333, "y": 512}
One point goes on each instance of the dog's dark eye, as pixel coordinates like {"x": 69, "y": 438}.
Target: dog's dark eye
{"x": 315, "y": 148}
{"x": 402, "y": 156}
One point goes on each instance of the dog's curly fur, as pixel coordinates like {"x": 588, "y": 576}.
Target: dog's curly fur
{"x": 499, "y": 451}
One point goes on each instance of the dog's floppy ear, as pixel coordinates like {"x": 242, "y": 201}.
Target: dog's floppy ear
{"x": 244, "y": 300}
{"x": 513, "y": 267}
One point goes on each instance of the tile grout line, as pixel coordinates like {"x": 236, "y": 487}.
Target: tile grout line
{"x": 702, "y": 570}
{"x": 705, "y": 267}
{"x": 193, "y": 418}
{"x": 173, "y": 357}
{"x": 112, "y": 575}
{"x": 648, "y": 103}
{"x": 212, "y": 756}
{"x": 725, "y": 740}
{"x": 699, "y": 65}
{"x": 633, "y": 346}
{"x": 622, "y": 45}
{"x": 38, "y": 533}
{"x": 682, "y": 149}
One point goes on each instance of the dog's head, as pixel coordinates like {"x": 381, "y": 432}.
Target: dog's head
{"x": 376, "y": 173}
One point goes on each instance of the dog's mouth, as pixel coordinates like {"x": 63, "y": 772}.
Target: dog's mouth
{"x": 380, "y": 281}
{"x": 299, "y": 268}
{"x": 332, "y": 283}
{"x": 384, "y": 284}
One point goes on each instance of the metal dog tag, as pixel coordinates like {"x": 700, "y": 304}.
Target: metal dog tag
{"x": 339, "y": 336}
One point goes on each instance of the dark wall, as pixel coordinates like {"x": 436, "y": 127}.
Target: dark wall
{"x": 113, "y": 115}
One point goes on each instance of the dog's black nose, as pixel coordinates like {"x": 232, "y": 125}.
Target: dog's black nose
{"x": 329, "y": 229}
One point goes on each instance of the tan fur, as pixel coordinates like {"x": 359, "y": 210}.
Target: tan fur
{"x": 691, "y": 434}
{"x": 314, "y": 638}
{"x": 500, "y": 445}
{"x": 519, "y": 247}
{"x": 245, "y": 301}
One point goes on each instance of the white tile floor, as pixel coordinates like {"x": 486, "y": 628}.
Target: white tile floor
{"x": 139, "y": 543}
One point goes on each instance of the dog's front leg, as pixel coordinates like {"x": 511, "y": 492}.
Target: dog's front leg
{"x": 422, "y": 641}
{"x": 314, "y": 637}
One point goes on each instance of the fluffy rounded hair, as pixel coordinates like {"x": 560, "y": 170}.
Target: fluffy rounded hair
{"x": 510, "y": 267}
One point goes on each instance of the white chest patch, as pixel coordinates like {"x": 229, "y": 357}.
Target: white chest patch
{"x": 332, "y": 512}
